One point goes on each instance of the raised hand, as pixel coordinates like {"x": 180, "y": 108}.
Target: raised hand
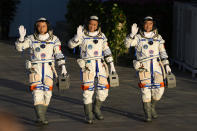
{"x": 134, "y": 30}
{"x": 80, "y": 31}
{"x": 22, "y": 32}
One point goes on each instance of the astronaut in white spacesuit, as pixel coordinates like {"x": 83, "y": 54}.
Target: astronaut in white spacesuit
{"x": 152, "y": 64}
{"x": 45, "y": 48}
{"x": 94, "y": 51}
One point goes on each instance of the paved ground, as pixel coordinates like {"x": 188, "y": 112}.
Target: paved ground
{"x": 122, "y": 110}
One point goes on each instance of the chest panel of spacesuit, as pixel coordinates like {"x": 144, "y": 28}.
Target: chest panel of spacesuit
{"x": 42, "y": 50}
{"x": 92, "y": 47}
{"x": 147, "y": 48}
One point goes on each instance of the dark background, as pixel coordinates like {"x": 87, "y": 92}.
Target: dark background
{"x": 79, "y": 10}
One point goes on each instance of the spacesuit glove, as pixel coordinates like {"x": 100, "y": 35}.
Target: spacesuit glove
{"x": 79, "y": 33}
{"x": 112, "y": 68}
{"x": 64, "y": 71}
{"x": 134, "y": 30}
{"x": 168, "y": 69}
{"x": 22, "y": 32}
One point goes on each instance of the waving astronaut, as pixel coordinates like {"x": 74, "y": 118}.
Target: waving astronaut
{"x": 93, "y": 49}
{"x": 45, "y": 48}
{"x": 152, "y": 64}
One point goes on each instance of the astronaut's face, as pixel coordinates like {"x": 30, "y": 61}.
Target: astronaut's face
{"x": 93, "y": 25}
{"x": 148, "y": 26}
{"x": 42, "y": 27}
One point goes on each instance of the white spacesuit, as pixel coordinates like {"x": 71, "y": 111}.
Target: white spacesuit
{"x": 93, "y": 49}
{"x": 44, "y": 50}
{"x": 151, "y": 60}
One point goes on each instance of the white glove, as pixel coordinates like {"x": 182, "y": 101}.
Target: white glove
{"x": 168, "y": 70}
{"x": 79, "y": 33}
{"x": 136, "y": 64}
{"x": 64, "y": 71}
{"x": 81, "y": 64}
{"x": 134, "y": 30}
{"x": 112, "y": 69}
{"x": 22, "y": 32}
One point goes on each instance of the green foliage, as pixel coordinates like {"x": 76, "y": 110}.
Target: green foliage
{"x": 116, "y": 31}
{"x": 112, "y": 18}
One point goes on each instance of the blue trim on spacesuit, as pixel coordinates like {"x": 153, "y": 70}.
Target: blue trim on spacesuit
{"x": 97, "y": 68}
{"x": 42, "y": 73}
{"x": 150, "y": 39}
{"x": 88, "y": 82}
{"x": 103, "y": 76}
{"x": 142, "y": 40}
{"x": 46, "y": 88}
{"x": 74, "y": 50}
{"x": 158, "y": 72}
{"x": 101, "y": 87}
{"x": 39, "y": 87}
{"x": 43, "y": 42}
{"x": 34, "y": 82}
{"x": 156, "y": 40}
{"x": 91, "y": 88}
{"x": 88, "y": 38}
{"x": 35, "y": 42}
{"x": 49, "y": 77}
{"x": 135, "y": 52}
{"x": 151, "y": 70}
{"x": 153, "y": 87}
{"x": 42, "y": 87}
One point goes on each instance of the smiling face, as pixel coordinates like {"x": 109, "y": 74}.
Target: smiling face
{"x": 42, "y": 28}
{"x": 93, "y": 25}
{"x": 148, "y": 26}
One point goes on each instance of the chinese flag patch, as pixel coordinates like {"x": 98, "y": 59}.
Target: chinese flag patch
{"x": 60, "y": 47}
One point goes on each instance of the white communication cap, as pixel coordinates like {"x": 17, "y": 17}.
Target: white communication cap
{"x": 94, "y": 17}
{"x": 148, "y": 18}
{"x": 42, "y": 18}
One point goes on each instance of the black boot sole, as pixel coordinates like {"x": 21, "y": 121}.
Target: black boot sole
{"x": 147, "y": 121}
